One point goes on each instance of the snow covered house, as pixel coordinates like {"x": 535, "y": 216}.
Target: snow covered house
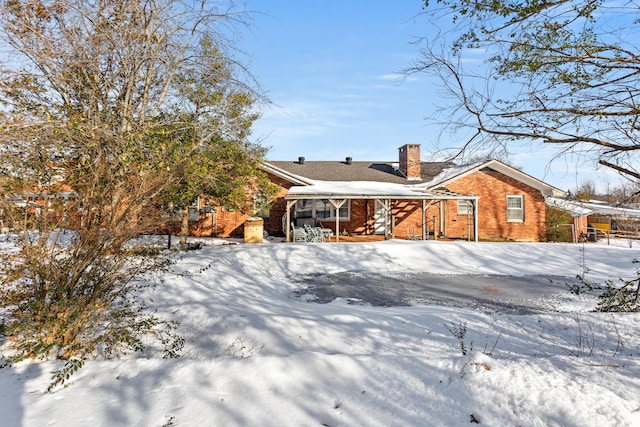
{"x": 406, "y": 199}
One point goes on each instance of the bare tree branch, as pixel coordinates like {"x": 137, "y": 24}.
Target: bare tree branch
{"x": 565, "y": 76}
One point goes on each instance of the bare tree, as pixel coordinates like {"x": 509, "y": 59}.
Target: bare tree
{"x": 586, "y": 190}
{"x": 89, "y": 130}
{"x": 566, "y": 73}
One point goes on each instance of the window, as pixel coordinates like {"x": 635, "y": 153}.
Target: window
{"x": 344, "y": 211}
{"x": 515, "y": 208}
{"x": 321, "y": 209}
{"x": 304, "y": 208}
{"x": 261, "y": 205}
{"x": 465, "y": 207}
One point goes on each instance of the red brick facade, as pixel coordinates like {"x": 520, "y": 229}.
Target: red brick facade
{"x": 223, "y": 222}
{"x": 273, "y": 223}
{"x": 490, "y": 186}
{"x": 493, "y": 188}
{"x": 409, "y": 156}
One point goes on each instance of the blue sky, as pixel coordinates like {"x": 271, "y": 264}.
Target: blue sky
{"x": 332, "y": 71}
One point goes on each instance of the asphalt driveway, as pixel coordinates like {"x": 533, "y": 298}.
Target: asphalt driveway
{"x": 490, "y": 293}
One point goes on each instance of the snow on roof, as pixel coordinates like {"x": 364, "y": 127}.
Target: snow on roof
{"x": 450, "y": 173}
{"x": 364, "y": 189}
{"x": 373, "y": 181}
{"x": 578, "y": 208}
{"x": 570, "y": 206}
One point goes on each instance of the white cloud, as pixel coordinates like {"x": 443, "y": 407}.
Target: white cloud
{"x": 390, "y": 76}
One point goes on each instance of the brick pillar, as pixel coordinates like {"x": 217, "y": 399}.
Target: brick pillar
{"x": 410, "y": 160}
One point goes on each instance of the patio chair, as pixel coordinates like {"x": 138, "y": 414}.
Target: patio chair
{"x": 298, "y": 234}
{"x": 314, "y": 234}
{"x": 301, "y": 222}
{"x": 328, "y": 233}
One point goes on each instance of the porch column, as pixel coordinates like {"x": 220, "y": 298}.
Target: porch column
{"x": 443, "y": 219}
{"x": 287, "y": 230}
{"x": 475, "y": 220}
{"x": 424, "y": 219}
{"x": 337, "y": 204}
{"x": 425, "y": 206}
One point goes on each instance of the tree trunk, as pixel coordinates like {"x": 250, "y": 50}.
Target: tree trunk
{"x": 184, "y": 226}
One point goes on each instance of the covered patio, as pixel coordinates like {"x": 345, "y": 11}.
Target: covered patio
{"x": 339, "y": 194}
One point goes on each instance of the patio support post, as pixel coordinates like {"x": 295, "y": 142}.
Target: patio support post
{"x": 337, "y": 204}
{"x": 441, "y": 230}
{"x": 475, "y": 220}
{"x": 386, "y": 206}
{"x": 425, "y": 206}
{"x": 287, "y": 230}
{"x": 424, "y": 219}
{"x": 443, "y": 220}
{"x": 388, "y": 227}
{"x": 435, "y": 228}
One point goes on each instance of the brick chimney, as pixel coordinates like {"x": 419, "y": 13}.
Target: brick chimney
{"x": 410, "y": 161}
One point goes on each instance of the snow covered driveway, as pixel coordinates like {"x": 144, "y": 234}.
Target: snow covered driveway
{"x": 255, "y": 355}
{"x": 486, "y": 292}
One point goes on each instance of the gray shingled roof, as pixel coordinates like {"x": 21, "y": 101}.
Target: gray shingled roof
{"x": 358, "y": 171}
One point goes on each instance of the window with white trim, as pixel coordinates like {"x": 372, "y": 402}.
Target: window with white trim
{"x": 515, "y": 208}
{"x": 465, "y": 207}
{"x": 322, "y": 210}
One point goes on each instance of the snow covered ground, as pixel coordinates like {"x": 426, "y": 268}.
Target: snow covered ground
{"x": 258, "y": 355}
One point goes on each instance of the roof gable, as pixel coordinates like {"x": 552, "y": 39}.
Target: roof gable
{"x": 457, "y": 172}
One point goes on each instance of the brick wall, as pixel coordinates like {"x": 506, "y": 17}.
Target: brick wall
{"x": 492, "y": 188}
{"x": 273, "y": 223}
{"x": 220, "y": 222}
{"x": 360, "y": 220}
{"x": 230, "y": 223}
{"x": 409, "y": 160}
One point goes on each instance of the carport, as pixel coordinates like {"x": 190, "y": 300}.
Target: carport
{"x": 337, "y": 193}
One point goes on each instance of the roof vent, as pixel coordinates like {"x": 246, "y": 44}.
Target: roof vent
{"x": 301, "y": 160}
{"x": 348, "y": 159}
